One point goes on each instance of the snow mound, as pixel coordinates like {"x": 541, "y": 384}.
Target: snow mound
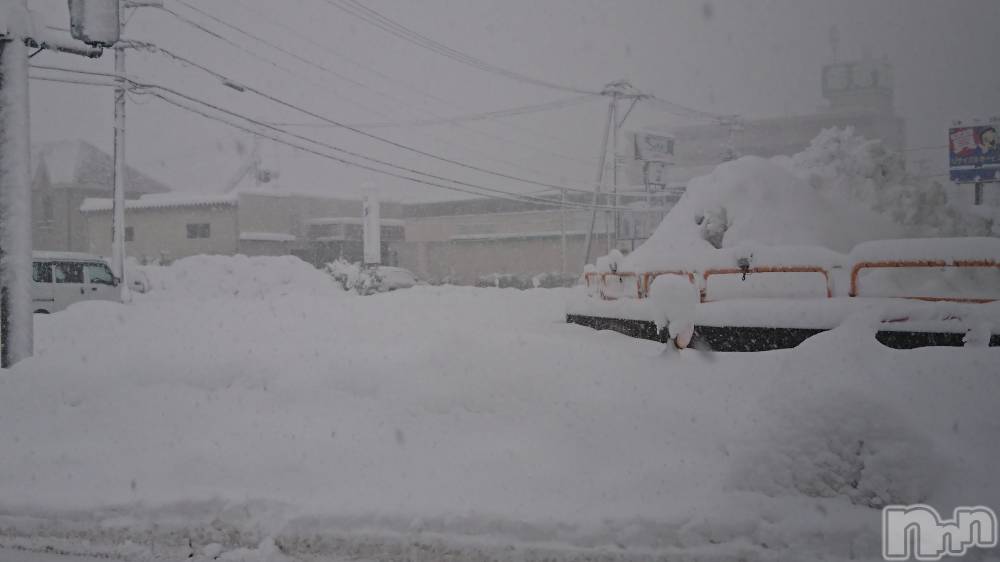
{"x": 256, "y": 277}
{"x": 841, "y": 191}
{"x": 843, "y": 445}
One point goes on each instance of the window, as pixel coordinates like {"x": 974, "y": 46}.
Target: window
{"x": 65, "y": 272}
{"x": 99, "y": 273}
{"x": 48, "y": 213}
{"x": 198, "y": 230}
{"x": 41, "y": 272}
{"x": 129, "y": 233}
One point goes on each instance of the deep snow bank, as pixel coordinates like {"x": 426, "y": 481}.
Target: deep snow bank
{"x": 842, "y": 190}
{"x": 470, "y": 423}
{"x": 261, "y": 277}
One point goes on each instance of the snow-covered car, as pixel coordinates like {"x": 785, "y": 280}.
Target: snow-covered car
{"x": 392, "y": 278}
{"x": 367, "y": 281}
{"x": 137, "y": 279}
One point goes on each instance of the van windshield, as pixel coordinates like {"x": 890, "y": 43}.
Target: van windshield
{"x": 99, "y": 273}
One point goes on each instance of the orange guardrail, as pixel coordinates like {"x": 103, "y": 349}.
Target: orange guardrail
{"x": 768, "y": 269}
{"x": 620, "y": 275}
{"x": 649, "y": 276}
{"x": 856, "y": 269}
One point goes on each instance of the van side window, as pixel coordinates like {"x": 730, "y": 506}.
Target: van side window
{"x": 41, "y": 272}
{"x": 67, "y": 272}
{"x": 99, "y": 273}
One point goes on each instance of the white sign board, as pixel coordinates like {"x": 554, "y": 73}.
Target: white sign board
{"x": 95, "y": 22}
{"x": 372, "y": 230}
{"x": 653, "y": 148}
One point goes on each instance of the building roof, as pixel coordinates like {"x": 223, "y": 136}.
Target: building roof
{"x": 161, "y": 201}
{"x": 77, "y": 164}
{"x": 267, "y": 237}
{"x": 322, "y": 221}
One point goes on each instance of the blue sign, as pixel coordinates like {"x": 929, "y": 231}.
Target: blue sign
{"x": 975, "y": 175}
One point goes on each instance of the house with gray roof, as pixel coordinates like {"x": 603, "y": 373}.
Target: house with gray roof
{"x": 64, "y": 174}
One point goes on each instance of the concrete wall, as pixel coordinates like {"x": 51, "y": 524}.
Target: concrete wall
{"x": 163, "y": 232}
{"x": 462, "y": 262}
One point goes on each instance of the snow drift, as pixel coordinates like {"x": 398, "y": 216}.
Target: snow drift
{"x": 841, "y": 191}
{"x": 258, "y": 277}
{"x": 247, "y": 407}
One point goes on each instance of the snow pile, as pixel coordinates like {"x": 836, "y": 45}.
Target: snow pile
{"x": 457, "y": 423}
{"x": 673, "y": 300}
{"x": 841, "y": 191}
{"x": 257, "y": 277}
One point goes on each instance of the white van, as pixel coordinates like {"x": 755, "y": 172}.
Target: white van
{"x": 60, "y": 279}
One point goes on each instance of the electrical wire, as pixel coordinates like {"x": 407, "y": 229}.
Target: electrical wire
{"x": 498, "y": 194}
{"x": 141, "y": 88}
{"x": 267, "y": 43}
{"x": 386, "y": 24}
{"x": 511, "y": 112}
{"x": 297, "y": 32}
{"x": 230, "y": 81}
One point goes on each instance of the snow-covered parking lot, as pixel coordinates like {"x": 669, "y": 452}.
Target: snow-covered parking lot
{"x": 251, "y": 408}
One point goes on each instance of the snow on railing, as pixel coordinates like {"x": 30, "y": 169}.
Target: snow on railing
{"x": 776, "y": 272}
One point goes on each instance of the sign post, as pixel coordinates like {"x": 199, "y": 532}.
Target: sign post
{"x": 372, "y": 230}
{"x": 974, "y": 155}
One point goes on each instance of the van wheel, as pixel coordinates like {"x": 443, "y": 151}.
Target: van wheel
{"x": 40, "y": 311}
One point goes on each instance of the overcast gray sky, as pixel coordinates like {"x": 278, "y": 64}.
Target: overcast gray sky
{"x": 752, "y": 57}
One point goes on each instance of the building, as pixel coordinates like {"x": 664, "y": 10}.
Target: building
{"x": 165, "y": 227}
{"x": 65, "y": 173}
{"x": 461, "y": 241}
{"x": 860, "y": 95}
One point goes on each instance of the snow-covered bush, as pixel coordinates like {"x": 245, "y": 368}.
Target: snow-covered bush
{"x": 842, "y": 164}
{"x": 351, "y": 276}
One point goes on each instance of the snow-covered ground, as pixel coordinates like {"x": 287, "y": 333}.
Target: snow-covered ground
{"x": 249, "y": 407}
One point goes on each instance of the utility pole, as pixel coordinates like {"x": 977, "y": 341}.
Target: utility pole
{"x": 600, "y": 179}
{"x": 120, "y": 174}
{"x": 118, "y": 198}
{"x": 17, "y": 33}
{"x": 611, "y": 220}
{"x": 15, "y": 191}
{"x": 616, "y": 91}
{"x": 562, "y": 228}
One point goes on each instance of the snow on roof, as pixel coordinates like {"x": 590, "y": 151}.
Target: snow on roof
{"x": 517, "y": 235}
{"x": 161, "y": 201}
{"x": 929, "y": 249}
{"x": 351, "y": 220}
{"x": 79, "y": 164}
{"x": 75, "y": 256}
{"x": 267, "y": 237}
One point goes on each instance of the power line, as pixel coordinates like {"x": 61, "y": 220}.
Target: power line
{"x": 141, "y": 88}
{"x": 188, "y": 62}
{"x": 332, "y": 73}
{"x": 274, "y": 127}
{"x": 499, "y": 194}
{"x": 229, "y": 81}
{"x": 252, "y": 54}
{"x": 297, "y": 32}
{"x": 511, "y": 112}
{"x": 386, "y": 24}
